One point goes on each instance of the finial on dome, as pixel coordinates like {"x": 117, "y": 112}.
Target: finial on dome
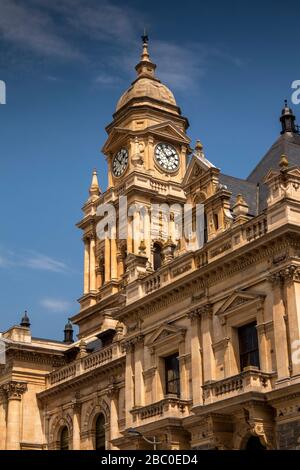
{"x": 25, "y": 322}
{"x": 94, "y": 188}
{"x": 68, "y": 333}
{"x": 145, "y": 67}
{"x": 145, "y": 54}
{"x": 287, "y": 119}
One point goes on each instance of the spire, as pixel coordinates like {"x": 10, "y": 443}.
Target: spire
{"x": 94, "y": 188}
{"x": 287, "y": 119}
{"x": 68, "y": 333}
{"x": 145, "y": 68}
{"x": 25, "y": 322}
{"x": 145, "y": 53}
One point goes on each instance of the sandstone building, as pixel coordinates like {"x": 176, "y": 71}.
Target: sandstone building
{"x": 195, "y": 347}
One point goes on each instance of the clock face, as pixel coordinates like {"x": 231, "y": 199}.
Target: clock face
{"x": 167, "y": 157}
{"x": 120, "y": 162}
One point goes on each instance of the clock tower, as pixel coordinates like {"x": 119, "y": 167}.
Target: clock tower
{"x": 148, "y": 132}
{"x": 146, "y": 152}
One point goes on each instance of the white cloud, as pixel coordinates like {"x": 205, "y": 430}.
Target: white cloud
{"x": 32, "y": 260}
{"x": 56, "y": 305}
{"x": 51, "y": 27}
{"x": 104, "y": 79}
{"x": 179, "y": 66}
{"x": 29, "y": 27}
{"x": 42, "y": 262}
{"x": 3, "y": 261}
{"x": 102, "y": 20}
{"x": 60, "y": 28}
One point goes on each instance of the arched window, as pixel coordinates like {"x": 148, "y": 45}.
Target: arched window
{"x": 100, "y": 432}
{"x": 64, "y": 439}
{"x": 157, "y": 256}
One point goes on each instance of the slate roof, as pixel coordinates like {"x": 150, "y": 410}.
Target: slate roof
{"x": 240, "y": 186}
{"x": 288, "y": 144}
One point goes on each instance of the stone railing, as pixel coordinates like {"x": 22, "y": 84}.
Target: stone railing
{"x": 98, "y": 358}
{"x": 152, "y": 283}
{"x": 255, "y": 229}
{"x": 85, "y": 364}
{"x": 169, "y": 407}
{"x": 62, "y": 374}
{"x": 249, "y": 380}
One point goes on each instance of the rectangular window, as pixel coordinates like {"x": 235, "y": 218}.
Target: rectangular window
{"x": 248, "y": 343}
{"x": 172, "y": 375}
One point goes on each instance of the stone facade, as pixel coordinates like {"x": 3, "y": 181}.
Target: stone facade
{"x": 191, "y": 308}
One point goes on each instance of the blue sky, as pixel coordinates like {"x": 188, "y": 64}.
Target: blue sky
{"x": 65, "y": 63}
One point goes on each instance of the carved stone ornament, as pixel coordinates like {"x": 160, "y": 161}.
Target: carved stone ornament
{"x": 288, "y": 274}
{"x": 14, "y": 390}
{"x": 201, "y": 311}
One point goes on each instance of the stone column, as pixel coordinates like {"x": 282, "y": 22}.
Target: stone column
{"x": 3, "y": 404}
{"x": 100, "y": 273}
{"x": 86, "y": 284}
{"x": 196, "y": 358}
{"x": 129, "y": 383}
{"x": 184, "y": 378}
{"x": 136, "y": 231}
{"x": 76, "y": 425}
{"x": 149, "y": 153}
{"x": 107, "y": 259}
{"x": 292, "y": 300}
{"x": 114, "y": 264}
{"x": 208, "y": 354}
{"x": 92, "y": 264}
{"x": 14, "y": 392}
{"x": 147, "y": 232}
{"x": 120, "y": 264}
{"x": 139, "y": 387}
{"x": 280, "y": 330}
{"x": 113, "y": 394}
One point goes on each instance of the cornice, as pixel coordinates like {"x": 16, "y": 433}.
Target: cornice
{"x": 36, "y": 355}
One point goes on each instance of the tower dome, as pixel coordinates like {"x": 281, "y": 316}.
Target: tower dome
{"x": 146, "y": 88}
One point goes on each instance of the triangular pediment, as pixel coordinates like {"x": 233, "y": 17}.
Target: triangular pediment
{"x": 167, "y": 130}
{"x": 198, "y": 165}
{"x": 237, "y": 299}
{"x": 294, "y": 172}
{"x": 270, "y": 175}
{"x": 114, "y": 139}
{"x": 164, "y": 333}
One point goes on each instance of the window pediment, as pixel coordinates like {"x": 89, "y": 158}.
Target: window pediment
{"x": 115, "y": 139}
{"x": 196, "y": 169}
{"x": 238, "y": 300}
{"x": 166, "y": 333}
